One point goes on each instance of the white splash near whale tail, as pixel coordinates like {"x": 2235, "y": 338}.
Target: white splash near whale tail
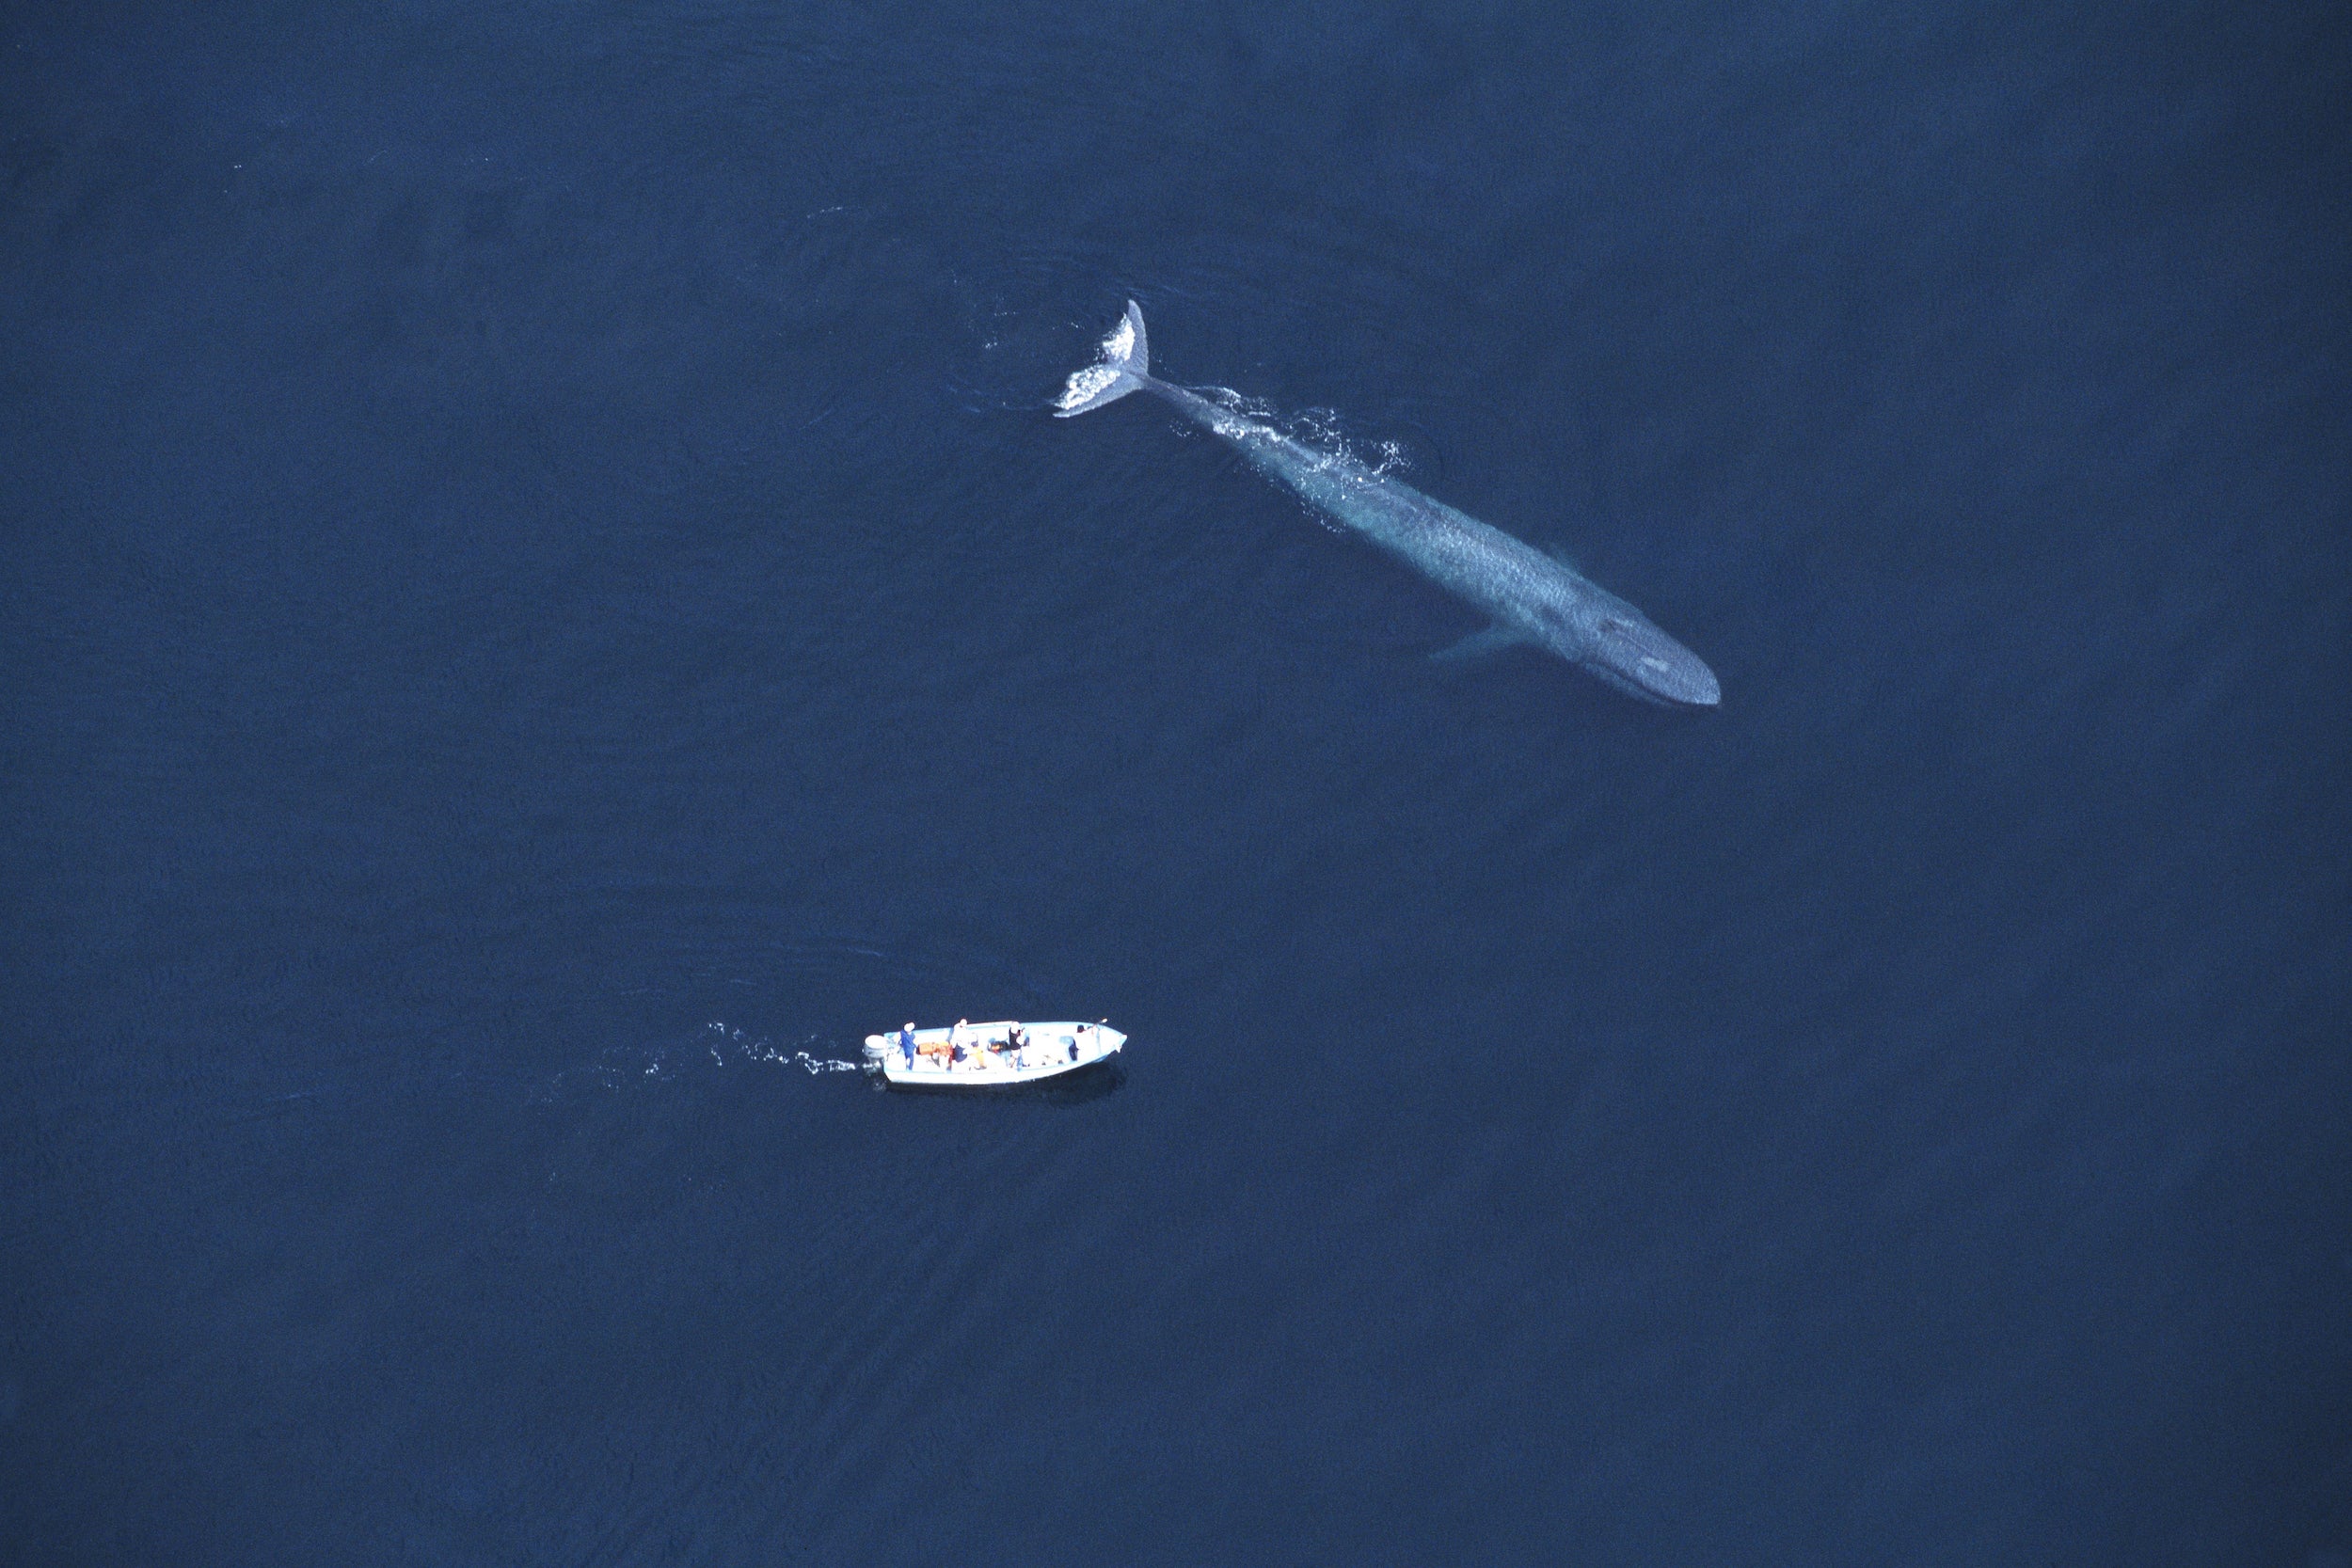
{"x": 1127, "y": 361}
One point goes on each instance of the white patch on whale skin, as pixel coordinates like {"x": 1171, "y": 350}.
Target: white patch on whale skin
{"x": 1654, "y": 662}
{"x": 1119, "y": 351}
{"x": 1085, "y": 382}
{"x": 1120, "y": 345}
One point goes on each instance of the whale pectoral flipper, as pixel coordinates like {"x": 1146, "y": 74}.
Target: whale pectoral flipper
{"x": 1479, "y": 645}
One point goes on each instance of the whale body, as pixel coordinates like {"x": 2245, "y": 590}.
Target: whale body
{"x": 1529, "y": 597}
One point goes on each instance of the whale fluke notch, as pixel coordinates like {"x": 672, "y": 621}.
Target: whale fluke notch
{"x": 1126, "y": 363}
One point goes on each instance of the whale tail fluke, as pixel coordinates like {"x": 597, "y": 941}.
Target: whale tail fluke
{"x": 1125, "y": 364}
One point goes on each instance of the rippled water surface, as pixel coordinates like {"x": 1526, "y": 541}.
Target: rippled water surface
{"x": 541, "y": 601}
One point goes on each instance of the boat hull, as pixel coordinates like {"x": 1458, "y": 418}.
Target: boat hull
{"x": 1050, "y": 1051}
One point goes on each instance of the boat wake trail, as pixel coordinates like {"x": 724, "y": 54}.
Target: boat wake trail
{"x": 702, "y": 1057}
{"x": 760, "y": 1051}
{"x": 831, "y": 1063}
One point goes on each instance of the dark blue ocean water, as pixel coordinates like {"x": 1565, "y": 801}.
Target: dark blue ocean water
{"x": 541, "y": 600}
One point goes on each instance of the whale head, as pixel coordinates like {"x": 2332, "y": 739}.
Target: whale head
{"x": 1628, "y": 653}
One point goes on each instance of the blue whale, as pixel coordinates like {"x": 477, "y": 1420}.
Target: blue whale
{"x": 1529, "y": 596}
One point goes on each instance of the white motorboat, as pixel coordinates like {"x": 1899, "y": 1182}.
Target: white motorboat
{"x": 988, "y": 1055}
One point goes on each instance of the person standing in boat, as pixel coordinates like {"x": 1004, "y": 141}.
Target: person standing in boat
{"x": 955, "y": 1041}
{"x": 906, "y": 1043}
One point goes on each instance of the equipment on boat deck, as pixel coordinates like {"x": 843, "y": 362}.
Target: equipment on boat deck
{"x": 988, "y": 1055}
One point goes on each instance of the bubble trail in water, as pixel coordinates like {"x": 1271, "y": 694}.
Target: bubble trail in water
{"x": 760, "y": 1051}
